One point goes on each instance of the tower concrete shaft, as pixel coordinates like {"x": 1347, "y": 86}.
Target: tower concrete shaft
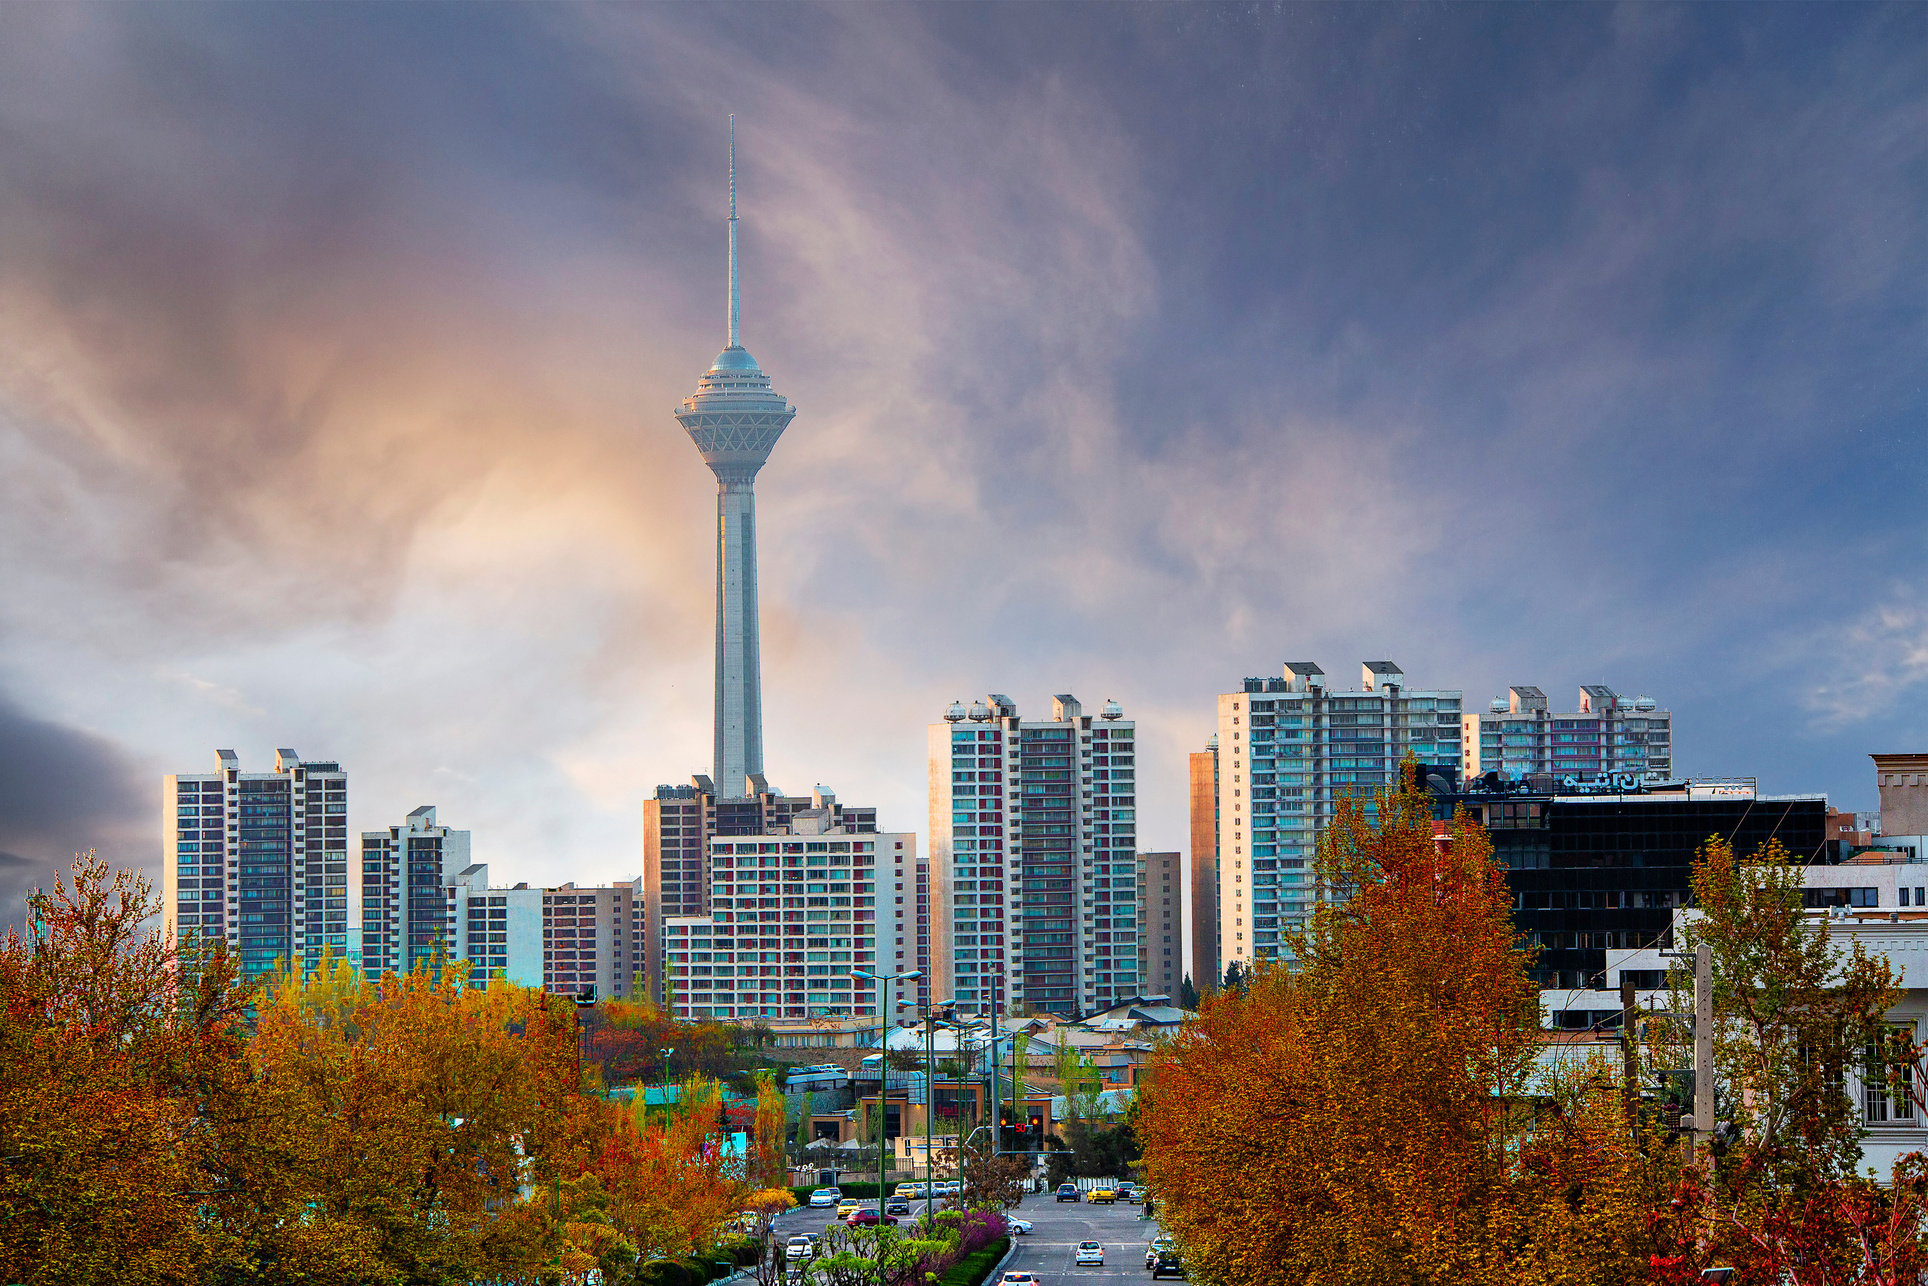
{"x": 735, "y": 419}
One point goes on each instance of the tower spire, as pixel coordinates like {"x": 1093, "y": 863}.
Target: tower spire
{"x": 734, "y": 299}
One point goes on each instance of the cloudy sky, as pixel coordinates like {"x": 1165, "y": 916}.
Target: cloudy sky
{"x": 1136, "y": 349}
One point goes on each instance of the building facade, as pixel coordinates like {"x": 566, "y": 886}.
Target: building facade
{"x": 260, "y": 860}
{"x": 680, "y": 825}
{"x": 1201, "y": 884}
{"x": 1034, "y": 857}
{"x": 1596, "y": 868}
{"x": 1902, "y": 781}
{"x": 1610, "y": 735}
{"x": 1161, "y": 909}
{"x": 1289, "y": 749}
{"x": 407, "y": 894}
{"x": 792, "y": 911}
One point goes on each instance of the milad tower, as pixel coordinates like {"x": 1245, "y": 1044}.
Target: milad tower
{"x": 735, "y": 419}
{"x": 697, "y": 838}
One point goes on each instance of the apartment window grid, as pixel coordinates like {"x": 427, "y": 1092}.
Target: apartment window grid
{"x": 790, "y": 918}
{"x": 1294, "y": 755}
{"x": 1042, "y": 837}
{"x": 1886, "y": 1101}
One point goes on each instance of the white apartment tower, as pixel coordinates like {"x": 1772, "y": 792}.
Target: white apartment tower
{"x": 1608, "y": 735}
{"x": 1288, "y": 750}
{"x": 1034, "y": 871}
{"x": 407, "y": 898}
{"x": 792, "y": 908}
{"x": 260, "y": 860}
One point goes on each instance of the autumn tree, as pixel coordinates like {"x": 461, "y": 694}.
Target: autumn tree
{"x": 1364, "y": 1116}
{"x": 672, "y": 1186}
{"x": 111, "y": 1039}
{"x": 990, "y": 1180}
{"x": 1795, "y": 1015}
{"x": 407, "y": 1111}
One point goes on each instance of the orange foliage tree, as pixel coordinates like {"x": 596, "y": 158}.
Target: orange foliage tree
{"x": 108, "y": 1046}
{"x": 1364, "y": 1114}
{"x": 672, "y": 1185}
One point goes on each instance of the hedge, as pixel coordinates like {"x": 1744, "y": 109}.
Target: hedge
{"x": 976, "y": 1266}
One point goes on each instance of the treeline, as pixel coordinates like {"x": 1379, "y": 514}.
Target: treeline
{"x": 1385, "y": 1109}
{"x": 161, "y": 1121}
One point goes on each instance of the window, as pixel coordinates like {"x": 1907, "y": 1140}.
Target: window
{"x": 1818, "y": 898}
{"x": 1884, "y": 1098}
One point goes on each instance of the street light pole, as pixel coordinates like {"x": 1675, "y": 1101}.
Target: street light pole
{"x": 883, "y": 981}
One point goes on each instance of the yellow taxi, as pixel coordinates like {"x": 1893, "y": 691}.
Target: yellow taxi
{"x": 1102, "y": 1196}
{"x": 848, "y": 1207}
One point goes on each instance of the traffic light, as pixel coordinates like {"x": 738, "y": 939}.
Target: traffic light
{"x": 1036, "y": 1132}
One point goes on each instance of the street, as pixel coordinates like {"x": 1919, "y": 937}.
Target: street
{"x": 1059, "y": 1227}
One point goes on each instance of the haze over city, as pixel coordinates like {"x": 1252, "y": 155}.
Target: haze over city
{"x": 1135, "y": 350}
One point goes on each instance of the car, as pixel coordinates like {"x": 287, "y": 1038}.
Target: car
{"x": 800, "y": 1248}
{"x": 1069, "y": 1192}
{"x": 909, "y": 1190}
{"x": 1102, "y": 1196}
{"x": 1088, "y": 1252}
{"x": 949, "y": 1188}
{"x": 1127, "y": 1191}
{"x": 1017, "y": 1227}
{"x": 826, "y": 1197}
{"x": 901, "y": 1209}
{"x": 1159, "y": 1246}
{"x": 868, "y": 1218}
{"x": 1019, "y": 1277}
{"x": 1169, "y": 1265}
{"x": 847, "y": 1207}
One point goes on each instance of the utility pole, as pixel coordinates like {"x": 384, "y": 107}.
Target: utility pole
{"x": 1629, "y": 1056}
{"x": 1704, "y": 1045}
{"x": 997, "y": 1097}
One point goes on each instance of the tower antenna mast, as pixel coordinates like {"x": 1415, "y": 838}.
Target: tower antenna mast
{"x": 735, "y": 304}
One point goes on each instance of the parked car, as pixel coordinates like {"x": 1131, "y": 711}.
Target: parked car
{"x": 1088, "y": 1252}
{"x": 798, "y": 1249}
{"x": 1069, "y": 1192}
{"x": 1169, "y": 1265}
{"x": 1160, "y": 1245}
{"x": 901, "y": 1209}
{"x": 909, "y": 1191}
{"x": 826, "y": 1197}
{"x": 949, "y": 1188}
{"x": 848, "y": 1207}
{"x": 1017, "y": 1227}
{"x": 1102, "y": 1196}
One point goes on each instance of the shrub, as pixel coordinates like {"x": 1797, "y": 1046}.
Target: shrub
{"x": 973, "y": 1268}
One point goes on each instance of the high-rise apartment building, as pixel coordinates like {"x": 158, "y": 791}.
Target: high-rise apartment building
{"x": 1608, "y": 735}
{"x": 1201, "y": 875}
{"x": 261, "y": 860}
{"x": 793, "y": 908}
{"x": 407, "y": 892}
{"x": 1034, "y": 858}
{"x": 1289, "y": 750}
{"x": 679, "y": 826}
{"x": 565, "y": 939}
{"x": 1161, "y": 940}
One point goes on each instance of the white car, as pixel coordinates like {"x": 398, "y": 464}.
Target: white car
{"x": 1089, "y": 1252}
{"x": 1020, "y": 1277}
{"x": 798, "y": 1249}
{"x": 1019, "y": 1227}
{"x": 826, "y": 1197}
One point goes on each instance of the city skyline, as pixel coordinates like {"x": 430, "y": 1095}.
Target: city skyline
{"x": 339, "y": 411}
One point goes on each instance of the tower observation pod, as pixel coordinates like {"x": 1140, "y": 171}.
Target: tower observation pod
{"x": 735, "y": 419}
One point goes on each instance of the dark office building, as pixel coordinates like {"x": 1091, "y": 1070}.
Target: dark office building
{"x": 1595, "y": 867}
